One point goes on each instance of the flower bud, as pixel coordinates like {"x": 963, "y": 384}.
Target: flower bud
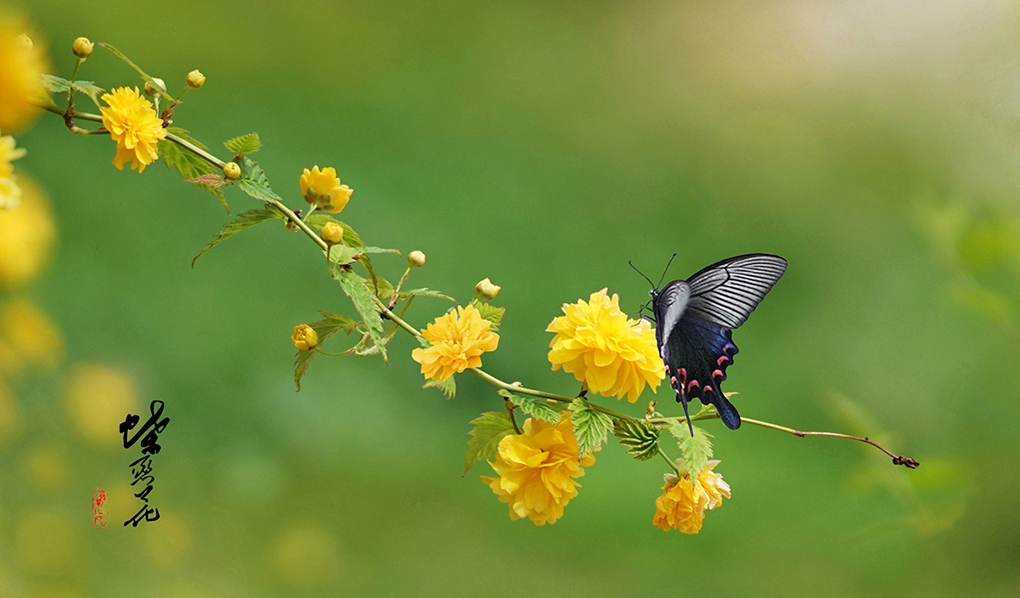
{"x": 231, "y": 171}
{"x": 416, "y": 259}
{"x": 82, "y": 47}
{"x": 305, "y": 338}
{"x": 195, "y": 79}
{"x": 332, "y": 233}
{"x": 151, "y": 90}
{"x": 485, "y": 290}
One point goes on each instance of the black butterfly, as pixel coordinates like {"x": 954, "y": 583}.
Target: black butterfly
{"x": 693, "y": 323}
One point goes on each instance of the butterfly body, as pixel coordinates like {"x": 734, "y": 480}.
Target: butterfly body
{"x": 694, "y": 322}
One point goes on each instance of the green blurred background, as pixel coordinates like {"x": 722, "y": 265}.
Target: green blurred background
{"x": 542, "y": 144}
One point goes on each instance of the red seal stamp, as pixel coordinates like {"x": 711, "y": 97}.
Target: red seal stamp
{"x": 100, "y": 507}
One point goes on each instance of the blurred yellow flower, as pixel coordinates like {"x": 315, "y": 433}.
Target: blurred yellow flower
{"x": 30, "y": 332}
{"x": 322, "y": 188}
{"x": 45, "y": 543}
{"x": 97, "y": 398}
{"x": 305, "y": 338}
{"x": 307, "y": 557}
{"x": 46, "y": 466}
{"x": 537, "y": 469}
{"x": 682, "y": 505}
{"x": 612, "y": 354}
{"x": 26, "y": 236}
{"x": 22, "y": 65}
{"x": 10, "y": 192}
{"x": 458, "y": 340}
{"x": 134, "y": 125}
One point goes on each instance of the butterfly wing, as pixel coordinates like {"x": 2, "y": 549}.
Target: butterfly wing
{"x": 697, "y": 346}
{"x": 728, "y": 291}
{"x": 697, "y": 354}
{"x": 669, "y": 306}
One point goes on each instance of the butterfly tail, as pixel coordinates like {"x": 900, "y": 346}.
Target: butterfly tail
{"x": 683, "y": 400}
{"x": 727, "y": 412}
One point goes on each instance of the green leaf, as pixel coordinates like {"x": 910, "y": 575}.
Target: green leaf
{"x": 425, "y": 293}
{"x": 326, "y": 328}
{"x": 191, "y": 168}
{"x": 342, "y": 255}
{"x": 319, "y": 220}
{"x": 381, "y": 287}
{"x": 640, "y": 439}
{"x": 143, "y": 74}
{"x": 490, "y": 428}
{"x": 379, "y": 250}
{"x": 490, "y": 312}
{"x": 364, "y": 302}
{"x": 448, "y": 388}
{"x": 243, "y": 221}
{"x": 535, "y": 407}
{"x": 62, "y": 86}
{"x": 253, "y": 181}
{"x": 245, "y": 144}
{"x": 591, "y": 428}
{"x": 697, "y": 449}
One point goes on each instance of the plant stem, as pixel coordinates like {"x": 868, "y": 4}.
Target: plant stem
{"x": 668, "y": 460}
{"x": 545, "y": 395}
{"x": 896, "y": 459}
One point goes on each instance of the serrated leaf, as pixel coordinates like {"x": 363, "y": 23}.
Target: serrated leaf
{"x": 350, "y": 238}
{"x": 490, "y": 312}
{"x": 640, "y": 439}
{"x": 62, "y": 86}
{"x": 245, "y": 144}
{"x": 591, "y": 428}
{"x": 207, "y": 180}
{"x": 426, "y": 293}
{"x": 447, "y": 387}
{"x": 253, "y": 181}
{"x": 364, "y": 302}
{"x": 186, "y": 163}
{"x": 534, "y": 407}
{"x": 243, "y": 222}
{"x": 489, "y": 428}
{"x": 341, "y": 255}
{"x": 381, "y": 287}
{"x": 697, "y": 449}
{"x": 325, "y": 328}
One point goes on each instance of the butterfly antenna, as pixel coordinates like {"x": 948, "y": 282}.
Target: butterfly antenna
{"x": 663, "y": 277}
{"x": 642, "y": 273}
{"x": 688, "y": 416}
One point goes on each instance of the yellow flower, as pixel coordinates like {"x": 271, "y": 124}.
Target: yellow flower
{"x": 458, "y": 340}
{"x": 323, "y": 189}
{"x": 22, "y": 65}
{"x": 10, "y": 192}
{"x": 97, "y": 398}
{"x": 485, "y": 290}
{"x": 26, "y": 236}
{"x": 305, "y": 338}
{"x": 30, "y": 332}
{"x": 682, "y": 505}
{"x": 134, "y": 125}
{"x": 537, "y": 469}
{"x": 612, "y": 354}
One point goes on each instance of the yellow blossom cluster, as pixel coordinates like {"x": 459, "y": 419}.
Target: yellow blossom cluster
{"x": 10, "y": 191}
{"x": 134, "y": 125}
{"x": 322, "y": 188}
{"x": 23, "y": 62}
{"x": 682, "y": 505}
{"x": 610, "y": 353}
{"x": 536, "y": 470}
{"x": 458, "y": 340}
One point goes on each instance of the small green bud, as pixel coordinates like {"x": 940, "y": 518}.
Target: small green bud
{"x": 151, "y": 90}
{"x": 195, "y": 79}
{"x": 82, "y": 47}
{"x": 231, "y": 171}
{"x": 416, "y": 259}
{"x": 486, "y": 291}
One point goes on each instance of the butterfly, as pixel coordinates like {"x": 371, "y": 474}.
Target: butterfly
{"x": 694, "y": 320}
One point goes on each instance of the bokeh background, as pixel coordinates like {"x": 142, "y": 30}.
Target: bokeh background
{"x": 542, "y": 144}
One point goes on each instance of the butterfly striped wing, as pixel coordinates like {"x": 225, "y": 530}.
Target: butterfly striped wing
{"x": 728, "y": 291}
{"x": 696, "y": 341}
